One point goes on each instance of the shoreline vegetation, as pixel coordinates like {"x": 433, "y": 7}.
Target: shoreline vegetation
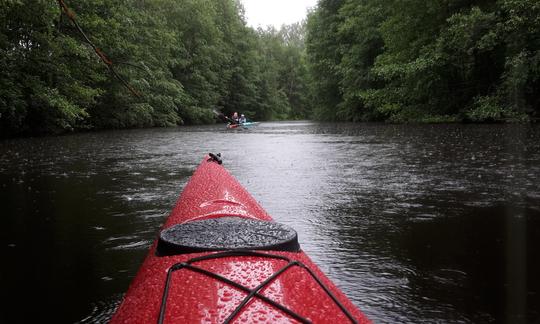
{"x": 185, "y": 58}
{"x": 425, "y": 61}
{"x": 395, "y": 61}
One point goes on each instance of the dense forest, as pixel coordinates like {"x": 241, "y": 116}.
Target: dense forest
{"x": 425, "y": 60}
{"x": 155, "y": 63}
{"x": 93, "y": 64}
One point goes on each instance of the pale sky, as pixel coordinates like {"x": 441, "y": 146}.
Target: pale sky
{"x": 276, "y": 12}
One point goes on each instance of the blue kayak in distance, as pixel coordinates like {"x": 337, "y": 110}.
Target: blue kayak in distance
{"x": 242, "y": 125}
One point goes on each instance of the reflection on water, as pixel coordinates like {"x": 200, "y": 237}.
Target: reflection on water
{"x": 435, "y": 223}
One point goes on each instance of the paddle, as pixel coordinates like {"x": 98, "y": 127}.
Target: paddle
{"x": 224, "y": 118}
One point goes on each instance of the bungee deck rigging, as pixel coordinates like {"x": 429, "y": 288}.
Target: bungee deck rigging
{"x": 252, "y": 293}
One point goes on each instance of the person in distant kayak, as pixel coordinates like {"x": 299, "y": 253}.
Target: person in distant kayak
{"x": 235, "y": 117}
{"x": 242, "y": 119}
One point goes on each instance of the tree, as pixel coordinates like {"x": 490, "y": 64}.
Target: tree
{"x": 424, "y": 60}
{"x": 185, "y": 59}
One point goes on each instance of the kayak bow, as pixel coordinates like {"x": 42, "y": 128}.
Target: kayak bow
{"x": 220, "y": 258}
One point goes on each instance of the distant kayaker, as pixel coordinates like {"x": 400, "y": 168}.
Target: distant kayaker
{"x": 235, "y": 118}
{"x": 242, "y": 119}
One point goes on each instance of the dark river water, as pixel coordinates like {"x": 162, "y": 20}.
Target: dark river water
{"x": 432, "y": 223}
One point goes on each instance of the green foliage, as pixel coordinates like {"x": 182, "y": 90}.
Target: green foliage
{"x": 282, "y": 74}
{"x": 486, "y": 109}
{"x": 413, "y": 60}
{"x": 352, "y": 60}
{"x": 323, "y": 56}
{"x": 489, "y": 109}
{"x": 41, "y": 92}
{"x": 186, "y": 58}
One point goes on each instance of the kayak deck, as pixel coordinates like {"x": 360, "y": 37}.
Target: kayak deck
{"x": 230, "y": 285}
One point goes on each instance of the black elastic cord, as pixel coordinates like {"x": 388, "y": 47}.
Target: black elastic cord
{"x": 251, "y": 292}
{"x": 163, "y": 306}
{"x": 329, "y": 293}
{"x": 234, "y": 253}
{"x": 245, "y": 289}
{"x": 256, "y": 290}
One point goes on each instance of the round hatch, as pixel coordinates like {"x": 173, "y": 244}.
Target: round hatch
{"x": 227, "y": 233}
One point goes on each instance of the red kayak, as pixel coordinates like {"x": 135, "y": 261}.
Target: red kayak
{"x": 220, "y": 258}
